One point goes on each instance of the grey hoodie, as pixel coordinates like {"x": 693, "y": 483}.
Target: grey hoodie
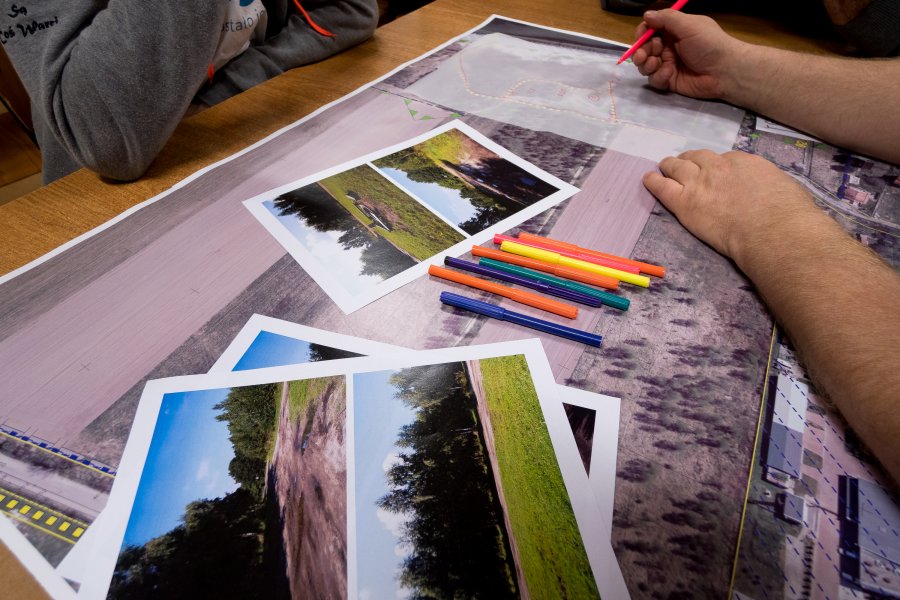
{"x": 110, "y": 79}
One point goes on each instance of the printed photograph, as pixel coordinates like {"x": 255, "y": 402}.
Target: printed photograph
{"x": 470, "y": 185}
{"x": 458, "y": 493}
{"x": 360, "y": 227}
{"x": 270, "y": 349}
{"x": 243, "y": 490}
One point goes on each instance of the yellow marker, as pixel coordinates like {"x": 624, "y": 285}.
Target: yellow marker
{"x": 12, "y": 503}
{"x": 51, "y": 520}
{"x": 24, "y": 510}
{"x": 78, "y": 531}
{"x": 564, "y": 261}
{"x": 2, "y": 497}
{"x": 38, "y": 514}
{"x": 64, "y": 526}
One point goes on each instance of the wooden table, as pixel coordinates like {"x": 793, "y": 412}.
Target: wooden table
{"x": 37, "y": 223}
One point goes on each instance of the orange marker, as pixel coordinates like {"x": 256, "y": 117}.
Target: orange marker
{"x": 645, "y": 268}
{"x": 535, "y": 300}
{"x": 610, "y": 283}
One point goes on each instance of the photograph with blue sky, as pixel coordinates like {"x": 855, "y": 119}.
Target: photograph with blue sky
{"x": 360, "y": 227}
{"x": 458, "y": 492}
{"x": 428, "y": 516}
{"x": 270, "y": 349}
{"x": 243, "y": 489}
{"x": 188, "y": 460}
{"x": 468, "y": 184}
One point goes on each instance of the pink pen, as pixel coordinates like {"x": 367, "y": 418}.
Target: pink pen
{"x": 647, "y": 35}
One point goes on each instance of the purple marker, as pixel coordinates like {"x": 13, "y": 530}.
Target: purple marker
{"x": 540, "y": 286}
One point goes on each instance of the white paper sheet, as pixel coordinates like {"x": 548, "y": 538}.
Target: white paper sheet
{"x": 365, "y": 267}
{"x": 583, "y": 501}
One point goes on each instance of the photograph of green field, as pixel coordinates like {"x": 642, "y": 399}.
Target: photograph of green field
{"x": 458, "y": 492}
{"x": 361, "y": 227}
{"x": 243, "y": 495}
{"x": 470, "y": 185}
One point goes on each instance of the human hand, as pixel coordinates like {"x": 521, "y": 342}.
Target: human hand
{"x": 731, "y": 201}
{"x": 690, "y": 54}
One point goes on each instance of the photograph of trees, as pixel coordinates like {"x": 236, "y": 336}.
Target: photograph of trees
{"x": 458, "y": 492}
{"x": 359, "y": 224}
{"x": 243, "y": 495}
{"x": 462, "y": 180}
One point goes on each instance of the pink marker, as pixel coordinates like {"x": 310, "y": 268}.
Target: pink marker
{"x": 499, "y": 238}
{"x": 647, "y": 35}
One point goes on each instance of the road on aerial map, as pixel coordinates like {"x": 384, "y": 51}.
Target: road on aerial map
{"x": 49, "y": 487}
{"x": 41, "y": 517}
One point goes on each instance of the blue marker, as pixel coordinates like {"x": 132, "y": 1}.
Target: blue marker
{"x": 495, "y": 312}
{"x": 547, "y": 288}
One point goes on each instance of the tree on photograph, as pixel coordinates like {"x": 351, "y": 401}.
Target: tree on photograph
{"x": 215, "y": 553}
{"x": 444, "y": 485}
{"x": 317, "y": 209}
{"x": 489, "y": 208}
{"x": 318, "y": 352}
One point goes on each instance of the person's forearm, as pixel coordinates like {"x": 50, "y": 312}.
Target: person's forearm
{"x": 110, "y": 85}
{"x": 840, "y": 305}
{"x": 351, "y": 22}
{"x": 847, "y": 102}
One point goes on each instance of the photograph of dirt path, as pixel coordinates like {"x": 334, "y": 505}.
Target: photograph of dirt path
{"x": 361, "y": 227}
{"x": 458, "y": 491}
{"x": 243, "y": 490}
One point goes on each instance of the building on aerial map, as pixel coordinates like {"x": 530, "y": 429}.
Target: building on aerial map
{"x": 870, "y": 540}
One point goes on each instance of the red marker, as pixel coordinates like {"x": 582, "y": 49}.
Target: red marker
{"x": 646, "y": 268}
{"x": 647, "y": 35}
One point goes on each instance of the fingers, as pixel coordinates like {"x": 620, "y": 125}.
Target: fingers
{"x": 647, "y": 57}
{"x": 661, "y": 77}
{"x": 675, "y": 22}
{"x": 702, "y": 158}
{"x": 667, "y": 190}
{"x": 681, "y": 170}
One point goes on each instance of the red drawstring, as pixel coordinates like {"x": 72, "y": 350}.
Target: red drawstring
{"x": 318, "y": 29}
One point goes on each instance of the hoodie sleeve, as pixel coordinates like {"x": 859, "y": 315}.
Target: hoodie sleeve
{"x": 111, "y": 80}
{"x": 352, "y": 22}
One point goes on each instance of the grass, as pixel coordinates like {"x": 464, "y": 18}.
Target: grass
{"x": 417, "y": 231}
{"x": 445, "y": 147}
{"x": 551, "y": 551}
{"x": 270, "y": 440}
{"x": 302, "y": 394}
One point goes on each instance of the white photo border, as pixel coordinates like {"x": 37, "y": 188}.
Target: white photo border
{"x": 594, "y": 535}
{"x": 320, "y": 272}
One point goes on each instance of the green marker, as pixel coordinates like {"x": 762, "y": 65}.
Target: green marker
{"x": 604, "y": 297}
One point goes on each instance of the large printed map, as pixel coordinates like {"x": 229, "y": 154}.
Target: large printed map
{"x": 164, "y": 291}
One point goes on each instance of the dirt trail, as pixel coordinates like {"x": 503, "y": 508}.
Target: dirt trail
{"x": 309, "y": 468}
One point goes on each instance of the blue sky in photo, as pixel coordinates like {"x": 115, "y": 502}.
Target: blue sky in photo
{"x": 378, "y": 417}
{"x": 343, "y": 265}
{"x": 188, "y": 460}
{"x": 273, "y": 350}
{"x": 447, "y": 202}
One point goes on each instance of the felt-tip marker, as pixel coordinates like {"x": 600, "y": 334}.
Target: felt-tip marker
{"x": 540, "y": 286}
{"x": 496, "y": 312}
{"x": 604, "y": 297}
